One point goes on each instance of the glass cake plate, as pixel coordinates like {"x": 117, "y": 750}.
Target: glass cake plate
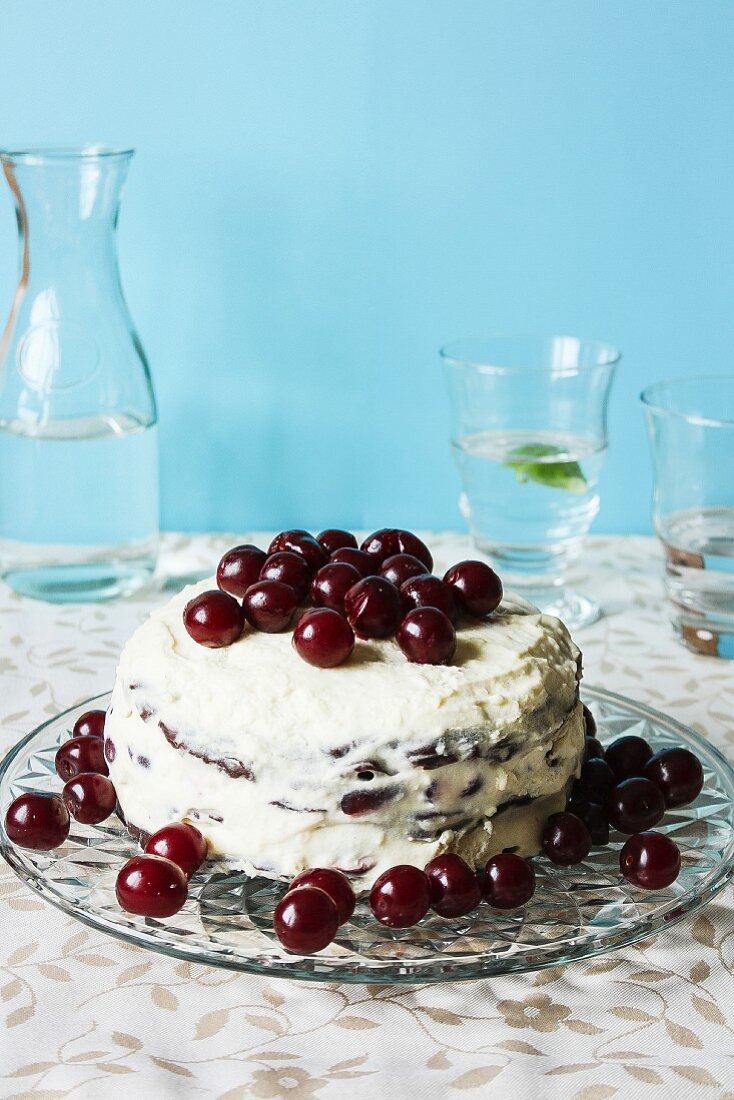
{"x": 576, "y": 912}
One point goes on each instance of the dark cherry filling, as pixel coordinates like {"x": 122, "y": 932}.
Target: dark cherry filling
{"x": 357, "y": 803}
{"x": 232, "y": 767}
{"x": 472, "y": 787}
{"x": 429, "y": 759}
{"x": 299, "y": 809}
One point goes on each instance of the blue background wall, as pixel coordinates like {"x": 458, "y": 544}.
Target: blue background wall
{"x": 327, "y": 191}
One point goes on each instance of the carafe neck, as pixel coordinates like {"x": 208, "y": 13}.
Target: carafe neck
{"x": 67, "y": 205}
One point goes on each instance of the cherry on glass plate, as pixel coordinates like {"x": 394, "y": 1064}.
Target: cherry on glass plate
{"x": 37, "y": 820}
{"x": 593, "y": 749}
{"x": 509, "y": 881}
{"x": 180, "y": 842}
{"x": 80, "y": 754}
{"x": 363, "y": 563}
{"x": 290, "y": 569}
{"x": 634, "y": 805}
{"x": 303, "y": 544}
{"x": 477, "y": 589}
{"x": 333, "y": 883}
{"x": 306, "y": 920}
{"x": 627, "y": 756}
{"x": 453, "y": 886}
{"x": 331, "y": 584}
{"x": 678, "y": 774}
{"x": 427, "y": 637}
{"x": 214, "y": 619}
{"x": 323, "y": 638}
{"x": 269, "y": 606}
{"x": 650, "y": 860}
{"x": 335, "y": 539}
{"x": 596, "y": 780}
{"x": 373, "y": 607}
{"x": 589, "y": 723}
{"x": 566, "y": 839}
{"x": 401, "y": 896}
{"x": 151, "y": 886}
{"x": 384, "y": 543}
{"x": 593, "y": 816}
{"x": 89, "y": 797}
{"x": 239, "y": 568}
{"x": 428, "y": 591}
{"x": 90, "y": 724}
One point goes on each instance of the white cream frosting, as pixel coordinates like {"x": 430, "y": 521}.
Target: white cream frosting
{"x": 270, "y": 756}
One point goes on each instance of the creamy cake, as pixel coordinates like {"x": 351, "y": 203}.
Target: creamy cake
{"x": 284, "y": 766}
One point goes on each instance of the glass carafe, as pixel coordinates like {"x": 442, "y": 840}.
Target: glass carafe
{"x": 78, "y": 447}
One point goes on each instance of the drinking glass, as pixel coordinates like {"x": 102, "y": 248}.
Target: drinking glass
{"x": 529, "y": 435}
{"x": 78, "y": 449}
{"x": 690, "y": 425}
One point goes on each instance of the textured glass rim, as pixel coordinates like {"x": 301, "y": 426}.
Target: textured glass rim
{"x": 648, "y": 395}
{"x": 602, "y": 355}
{"x": 318, "y": 968}
{"x": 40, "y": 154}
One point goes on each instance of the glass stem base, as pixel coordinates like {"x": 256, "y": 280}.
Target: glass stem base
{"x": 87, "y": 583}
{"x": 572, "y": 608}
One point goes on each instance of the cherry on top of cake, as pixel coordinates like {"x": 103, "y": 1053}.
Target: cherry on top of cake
{"x": 332, "y": 592}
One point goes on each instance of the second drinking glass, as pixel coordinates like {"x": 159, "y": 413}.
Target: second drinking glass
{"x": 529, "y": 432}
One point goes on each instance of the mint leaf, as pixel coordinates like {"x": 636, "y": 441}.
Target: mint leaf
{"x": 555, "y": 475}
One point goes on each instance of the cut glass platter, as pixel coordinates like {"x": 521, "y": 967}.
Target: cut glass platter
{"x": 576, "y": 912}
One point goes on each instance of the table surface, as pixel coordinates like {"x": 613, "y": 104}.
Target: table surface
{"x": 82, "y": 1011}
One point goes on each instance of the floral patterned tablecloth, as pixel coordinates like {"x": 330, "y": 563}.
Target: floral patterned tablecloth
{"x": 80, "y": 1012}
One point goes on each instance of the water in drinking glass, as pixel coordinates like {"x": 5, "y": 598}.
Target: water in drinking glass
{"x": 690, "y": 425}
{"x": 699, "y": 564}
{"x": 529, "y": 495}
{"x": 529, "y": 435}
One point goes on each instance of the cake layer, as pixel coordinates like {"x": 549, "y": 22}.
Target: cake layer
{"x": 284, "y": 766}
